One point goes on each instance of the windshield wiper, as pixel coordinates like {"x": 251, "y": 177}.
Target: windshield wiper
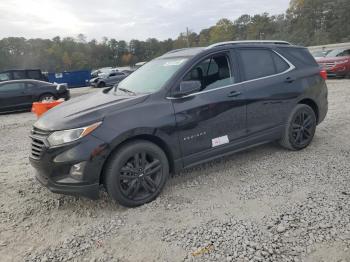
{"x": 126, "y": 90}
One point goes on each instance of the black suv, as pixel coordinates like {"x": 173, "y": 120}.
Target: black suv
{"x": 181, "y": 109}
{"x": 18, "y": 74}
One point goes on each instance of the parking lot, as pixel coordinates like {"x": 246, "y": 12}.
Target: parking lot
{"x": 265, "y": 204}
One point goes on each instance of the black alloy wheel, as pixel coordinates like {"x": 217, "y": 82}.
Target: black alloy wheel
{"x": 140, "y": 176}
{"x": 136, "y": 173}
{"x": 300, "y": 128}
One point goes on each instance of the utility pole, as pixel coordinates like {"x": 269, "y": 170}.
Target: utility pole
{"x": 187, "y": 37}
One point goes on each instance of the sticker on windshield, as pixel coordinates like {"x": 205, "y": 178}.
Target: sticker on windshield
{"x": 175, "y": 62}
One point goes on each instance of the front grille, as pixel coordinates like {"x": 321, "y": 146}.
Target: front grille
{"x": 327, "y": 65}
{"x": 38, "y": 137}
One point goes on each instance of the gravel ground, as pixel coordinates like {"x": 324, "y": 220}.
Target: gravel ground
{"x": 265, "y": 204}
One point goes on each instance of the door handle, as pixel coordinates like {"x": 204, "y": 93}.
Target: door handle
{"x": 234, "y": 94}
{"x": 290, "y": 79}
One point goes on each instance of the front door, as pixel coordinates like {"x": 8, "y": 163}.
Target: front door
{"x": 213, "y": 117}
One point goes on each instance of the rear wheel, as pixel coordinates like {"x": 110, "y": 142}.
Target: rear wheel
{"x": 300, "y": 128}
{"x": 136, "y": 173}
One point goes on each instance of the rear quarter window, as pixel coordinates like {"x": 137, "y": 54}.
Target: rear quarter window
{"x": 299, "y": 56}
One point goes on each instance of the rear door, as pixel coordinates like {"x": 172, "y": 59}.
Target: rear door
{"x": 14, "y": 96}
{"x": 269, "y": 88}
{"x": 210, "y": 120}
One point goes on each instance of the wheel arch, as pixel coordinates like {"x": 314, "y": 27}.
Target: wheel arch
{"x": 145, "y": 137}
{"x": 311, "y": 103}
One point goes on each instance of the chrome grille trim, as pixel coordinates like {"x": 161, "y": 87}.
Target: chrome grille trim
{"x": 38, "y": 137}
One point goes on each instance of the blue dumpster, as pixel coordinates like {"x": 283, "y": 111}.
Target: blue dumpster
{"x": 71, "y": 78}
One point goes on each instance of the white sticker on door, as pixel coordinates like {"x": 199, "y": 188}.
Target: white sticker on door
{"x": 219, "y": 141}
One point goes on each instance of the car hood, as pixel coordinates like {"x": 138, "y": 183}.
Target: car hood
{"x": 85, "y": 110}
{"x": 331, "y": 59}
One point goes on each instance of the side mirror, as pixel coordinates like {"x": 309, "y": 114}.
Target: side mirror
{"x": 188, "y": 87}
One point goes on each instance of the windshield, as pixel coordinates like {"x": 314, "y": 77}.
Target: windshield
{"x": 152, "y": 76}
{"x": 335, "y": 53}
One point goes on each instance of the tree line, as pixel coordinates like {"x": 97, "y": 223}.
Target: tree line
{"x": 305, "y": 22}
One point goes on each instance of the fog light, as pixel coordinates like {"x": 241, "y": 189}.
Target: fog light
{"x": 77, "y": 170}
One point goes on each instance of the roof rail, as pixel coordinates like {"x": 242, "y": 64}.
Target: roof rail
{"x": 175, "y": 50}
{"x": 274, "y": 42}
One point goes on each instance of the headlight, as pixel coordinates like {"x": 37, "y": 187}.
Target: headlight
{"x": 341, "y": 62}
{"x": 66, "y": 136}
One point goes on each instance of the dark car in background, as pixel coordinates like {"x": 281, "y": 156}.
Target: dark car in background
{"x": 17, "y": 74}
{"x": 110, "y": 79}
{"x": 18, "y": 95}
{"x": 336, "y": 63}
{"x": 184, "y": 108}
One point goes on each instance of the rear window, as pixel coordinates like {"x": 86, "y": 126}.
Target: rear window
{"x": 4, "y": 76}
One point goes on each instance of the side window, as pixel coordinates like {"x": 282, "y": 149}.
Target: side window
{"x": 280, "y": 64}
{"x": 34, "y": 74}
{"x": 112, "y": 74}
{"x": 345, "y": 53}
{"x": 212, "y": 72}
{"x": 4, "y": 76}
{"x": 257, "y": 63}
{"x": 12, "y": 87}
{"x": 19, "y": 75}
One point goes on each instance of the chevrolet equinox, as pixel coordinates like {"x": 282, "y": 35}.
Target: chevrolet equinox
{"x": 184, "y": 108}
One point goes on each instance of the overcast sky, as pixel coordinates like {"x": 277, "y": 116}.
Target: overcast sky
{"x": 122, "y": 19}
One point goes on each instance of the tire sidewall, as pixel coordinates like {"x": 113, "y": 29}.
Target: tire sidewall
{"x": 112, "y": 182}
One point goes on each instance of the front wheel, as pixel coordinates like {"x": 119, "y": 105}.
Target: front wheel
{"x": 300, "y": 128}
{"x": 136, "y": 173}
{"x": 46, "y": 97}
{"x": 101, "y": 85}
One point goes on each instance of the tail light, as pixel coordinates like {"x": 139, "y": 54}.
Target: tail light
{"x": 323, "y": 74}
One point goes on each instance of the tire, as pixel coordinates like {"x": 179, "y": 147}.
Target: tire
{"x": 126, "y": 178}
{"x": 47, "y": 97}
{"x": 101, "y": 85}
{"x": 300, "y": 128}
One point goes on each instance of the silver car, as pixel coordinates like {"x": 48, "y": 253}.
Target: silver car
{"x": 110, "y": 79}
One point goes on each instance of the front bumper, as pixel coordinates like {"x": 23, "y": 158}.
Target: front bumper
{"x": 338, "y": 71}
{"x": 54, "y": 167}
